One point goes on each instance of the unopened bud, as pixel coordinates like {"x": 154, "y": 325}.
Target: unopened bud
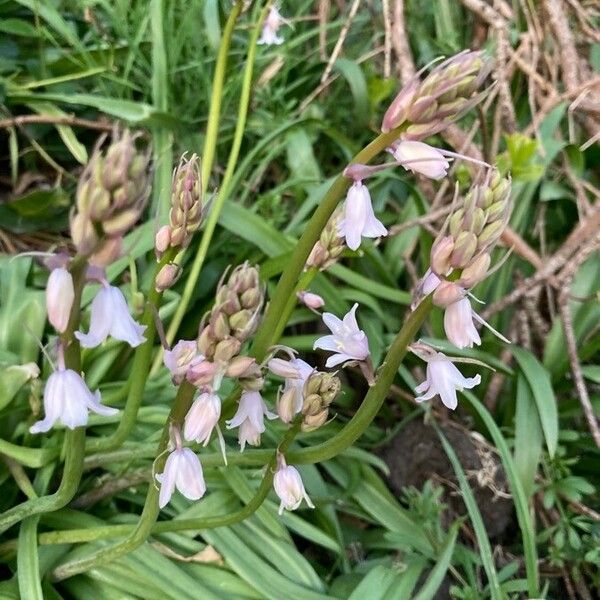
{"x": 242, "y": 366}
{"x": 440, "y": 255}
{"x": 496, "y": 211}
{"x": 110, "y": 250}
{"x": 162, "y": 240}
{"x": 311, "y": 300}
{"x": 456, "y": 222}
{"x": 167, "y": 277}
{"x": 447, "y": 293}
{"x": 475, "y": 272}
{"x": 490, "y": 234}
{"x": 202, "y": 373}
{"x": 225, "y": 350}
{"x": 186, "y": 201}
{"x": 60, "y": 294}
{"x": 464, "y": 249}
{"x": 329, "y": 246}
{"x": 312, "y": 422}
{"x": 283, "y": 368}
{"x": 286, "y": 405}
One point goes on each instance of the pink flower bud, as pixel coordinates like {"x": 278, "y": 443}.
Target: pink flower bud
{"x": 447, "y": 293}
{"x": 475, "y": 272}
{"x": 162, "y": 240}
{"x": 283, "y": 368}
{"x": 421, "y": 158}
{"x": 202, "y": 373}
{"x": 59, "y": 298}
{"x": 311, "y": 300}
{"x": 241, "y": 366}
{"x": 286, "y": 405}
{"x": 440, "y": 255}
{"x": 167, "y": 277}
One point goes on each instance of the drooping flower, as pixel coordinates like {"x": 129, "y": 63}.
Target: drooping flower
{"x": 181, "y": 358}
{"x": 182, "y": 471}
{"x": 271, "y": 26}
{"x": 421, "y": 158}
{"x": 202, "y": 418}
{"x": 110, "y": 316}
{"x": 250, "y": 418}
{"x": 289, "y": 487}
{"x": 359, "y": 219}
{"x": 347, "y": 341}
{"x": 459, "y": 326}
{"x": 445, "y": 379}
{"x": 59, "y": 298}
{"x": 68, "y": 399}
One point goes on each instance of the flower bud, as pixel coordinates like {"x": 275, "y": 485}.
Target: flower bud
{"x": 59, "y": 298}
{"x": 447, "y": 293}
{"x": 108, "y": 253}
{"x": 440, "y": 255}
{"x": 313, "y": 301}
{"x": 283, "y": 368}
{"x": 312, "y": 422}
{"x": 320, "y": 389}
{"x": 167, "y": 277}
{"x": 464, "y": 249}
{"x": 225, "y": 350}
{"x": 202, "y": 373}
{"x": 286, "y": 405}
{"x": 162, "y": 240}
{"x": 329, "y": 247}
{"x": 490, "y": 234}
{"x": 475, "y": 272}
{"x": 242, "y": 366}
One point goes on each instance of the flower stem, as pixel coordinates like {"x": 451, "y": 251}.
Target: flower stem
{"x": 328, "y": 449}
{"x": 215, "y": 211}
{"x": 74, "y": 440}
{"x": 139, "y": 369}
{"x": 151, "y": 510}
{"x": 265, "y": 336}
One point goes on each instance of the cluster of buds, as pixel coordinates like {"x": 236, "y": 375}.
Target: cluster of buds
{"x": 235, "y": 315}
{"x": 329, "y": 247}
{"x": 185, "y": 217}
{"x": 473, "y": 229}
{"x": 111, "y": 195}
{"x": 460, "y": 257}
{"x": 446, "y": 93}
{"x": 320, "y": 390}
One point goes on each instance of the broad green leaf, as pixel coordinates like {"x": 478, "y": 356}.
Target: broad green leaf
{"x": 539, "y": 382}
{"x": 352, "y": 73}
{"x": 27, "y": 560}
{"x": 528, "y": 435}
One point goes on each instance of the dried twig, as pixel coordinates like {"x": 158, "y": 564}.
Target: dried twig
{"x": 53, "y": 120}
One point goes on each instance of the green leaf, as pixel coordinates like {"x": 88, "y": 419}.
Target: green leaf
{"x": 518, "y": 493}
{"x": 12, "y": 379}
{"x": 543, "y": 394}
{"x": 483, "y": 542}
{"x": 27, "y": 560}
{"x": 436, "y": 577}
{"x": 375, "y": 584}
{"x": 528, "y": 435}
{"x": 212, "y": 23}
{"x": 353, "y": 74}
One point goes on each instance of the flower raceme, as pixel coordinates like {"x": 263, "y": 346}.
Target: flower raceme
{"x": 250, "y": 418}
{"x": 110, "y": 316}
{"x": 67, "y": 399}
{"x": 443, "y": 379}
{"x": 59, "y": 298}
{"x": 183, "y": 472}
{"x": 346, "y": 341}
{"x": 289, "y": 487}
{"x": 359, "y": 219}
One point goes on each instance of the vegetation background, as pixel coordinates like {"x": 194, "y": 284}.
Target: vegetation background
{"x": 427, "y": 504}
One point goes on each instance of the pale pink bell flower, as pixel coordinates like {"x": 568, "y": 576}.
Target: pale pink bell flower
{"x": 68, "y": 399}
{"x": 443, "y": 379}
{"x": 202, "y": 418}
{"x": 250, "y": 418}
{"x": 289, "y": 487}
{"x": 183, "y": 472}
{"x": 359, "y": 219}
{"x": 271, "y": 26}
{"x": 110, "y": 316}
{"x": 347, "y": 341}
{"x": 421, "y": 158}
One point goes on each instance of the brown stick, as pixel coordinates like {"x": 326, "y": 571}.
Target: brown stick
{"x": 51, "y": 120}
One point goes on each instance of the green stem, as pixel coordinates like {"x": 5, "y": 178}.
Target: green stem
{"x": 151, "y": 510}
{"x": 74, "y": 440}
{"x": 285, "y": 287}
{"x": 328, "y": 449}
{"x": 75, "y": 536}
{"x": 215, "y": 211}
{"x": 139, "y": 369}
